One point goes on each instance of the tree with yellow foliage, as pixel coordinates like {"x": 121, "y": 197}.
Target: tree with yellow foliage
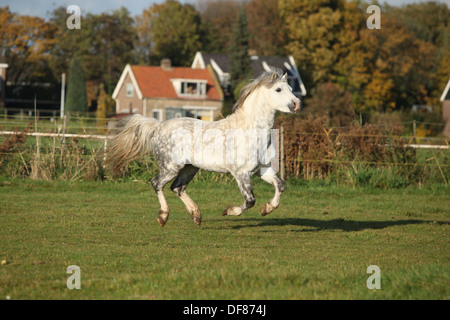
{"x": 25, "y": 44}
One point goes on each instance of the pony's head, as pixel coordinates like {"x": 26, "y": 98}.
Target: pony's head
{"x": 273, "y": 88}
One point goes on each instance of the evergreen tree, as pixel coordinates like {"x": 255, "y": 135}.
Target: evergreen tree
{"x": 76, "y": 87}
{"x": 240, "y": 67}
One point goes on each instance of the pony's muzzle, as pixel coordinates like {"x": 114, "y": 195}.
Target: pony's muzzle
{"x": 297, "y": 105}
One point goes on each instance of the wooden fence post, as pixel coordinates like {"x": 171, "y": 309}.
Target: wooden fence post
{"x": 105, "y": 151}
{"x": 282, "y": 153}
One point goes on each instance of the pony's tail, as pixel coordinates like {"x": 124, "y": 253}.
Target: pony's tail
{"x": 130, "y": 140}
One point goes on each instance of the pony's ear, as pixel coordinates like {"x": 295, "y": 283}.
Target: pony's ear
{"x": 274, "y": 76}
{"x": 284, "y": 76}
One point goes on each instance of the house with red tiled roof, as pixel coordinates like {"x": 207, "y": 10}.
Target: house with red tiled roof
{"x": 165, "y": 92}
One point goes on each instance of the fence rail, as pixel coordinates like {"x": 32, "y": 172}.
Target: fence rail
{"x": 285, "y": 160}
{"x": 105, "y": 137}
{"x": 57, "y": 135}
{"x": 63, "y": 136}
{"x": 428, "y": 146}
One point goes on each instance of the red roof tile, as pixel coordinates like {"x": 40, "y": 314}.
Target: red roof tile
{"x": 154, "y": 82}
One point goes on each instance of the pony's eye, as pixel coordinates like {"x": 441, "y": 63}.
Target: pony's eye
{"x": 278, "y": 90}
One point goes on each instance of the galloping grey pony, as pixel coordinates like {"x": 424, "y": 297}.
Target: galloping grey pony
{"x": 238, "y": 144}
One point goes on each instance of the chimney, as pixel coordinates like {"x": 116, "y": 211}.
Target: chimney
{"x": 166, "y": 64}
{"x": 252, "y": 52}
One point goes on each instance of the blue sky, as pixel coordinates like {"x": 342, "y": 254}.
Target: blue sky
{"x": 41, "y": 8}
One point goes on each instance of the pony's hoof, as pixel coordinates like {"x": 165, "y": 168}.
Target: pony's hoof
{"x": 228, "y": 211}
{"x": 161, "y": 222}
{"x": 266, "y": 209}
{"x": 197, "y": 220}
{"x": 162, "y": 217}
{"x": 232, "y": 211}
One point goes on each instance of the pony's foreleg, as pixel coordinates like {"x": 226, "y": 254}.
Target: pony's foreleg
{"x": 179, "y": 188}
{"x": 269, "y": 175}
{"x": 245, "y": 186}
{"x": 158, "y": 184}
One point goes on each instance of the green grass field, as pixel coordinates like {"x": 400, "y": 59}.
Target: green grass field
{"x": 316, "y": 245}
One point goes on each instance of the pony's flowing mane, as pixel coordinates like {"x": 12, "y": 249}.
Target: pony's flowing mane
{"x": 267, "y": 79}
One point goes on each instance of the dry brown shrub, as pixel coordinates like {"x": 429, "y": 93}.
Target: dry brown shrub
{"x": 12, "y": 142}
{"x": 313, "y": 150}
{"x": 308, "y": 146}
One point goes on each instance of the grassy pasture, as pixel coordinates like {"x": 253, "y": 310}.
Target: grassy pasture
{"x": 317, "y": 245}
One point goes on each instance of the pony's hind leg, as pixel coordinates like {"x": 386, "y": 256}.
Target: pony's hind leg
{"x": 268, "y": 175}
{"x": 158, "y": 184}
{"x": 244, "y": 184}
{"x": 179, "y": 188}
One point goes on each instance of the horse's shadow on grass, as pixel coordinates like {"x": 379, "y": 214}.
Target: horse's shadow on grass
{"x": 315, "y": 225}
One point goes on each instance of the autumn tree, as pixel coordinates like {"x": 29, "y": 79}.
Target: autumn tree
{"x": 428, "y": 21}
{"x": 25, "y": 44}
{"x": 400, "y": 66}
{"x": 144, "y": 42}
{"x": 385, "y": 70}
{"x": 173, "y": 29}
{"x": 111, "y": 46}
{"x": 218, "y": 18}
{"x": 313, "y": 28}
{"x": 104, "y": 45}
{"x": 267, "y": 28}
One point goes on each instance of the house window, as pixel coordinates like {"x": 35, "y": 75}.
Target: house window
{"x": 174, "y": 113}
{"x": 157, "y": 114}
{"x": 193, "y": 88}
{"x": 130, "y": 90}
